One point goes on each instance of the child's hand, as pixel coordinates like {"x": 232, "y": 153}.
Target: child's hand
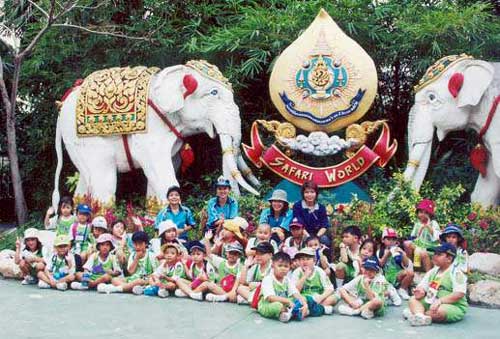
{"x": 18, "y": 243}
{"x": 231, "y": 296}
{"x": 208, "y": 235}
{"x": 304, "y": 309}
{"x": 435, "y": 306}
{"x": 419, "y": 293}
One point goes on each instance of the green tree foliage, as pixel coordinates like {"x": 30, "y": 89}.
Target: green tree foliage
{"x": 242, "y": 38}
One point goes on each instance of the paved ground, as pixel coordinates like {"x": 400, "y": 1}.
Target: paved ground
{"x": 27, "y": 312}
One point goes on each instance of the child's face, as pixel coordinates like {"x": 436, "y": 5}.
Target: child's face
{"x": 118, "y": 229}
{"x": 310, "y": 195}
{"x": 277, "y": 205}
{"x": 367, "y": 250}
{"x": 348, "y": 239}
{"x": 422, "y": 216}
{"x": 174, "y": 198}
{"x": 197, "y": 256}
{"x": 306, "y": 262}
{"x": 452, "y": 239}
{"x": 83, "y": 218}
{"x": 389, "y": 242}
{"x": 370, "y": 274}
{"x": 31, "y": 243}
{"x": 222, "y": 192}
{"x": 295, "y": 263}
{"x": 314, "y": 244}
{"x": 170, "y": 234}
{"x": 262, "y": 258}
{"x": 281, "y": 268}
{"x": 66, "y": 209}
{"x": 139, "y": 246}
{"x": 62, "y": 250}
{"x": 263, "y": 233}
{"x": 105, "y": 248}
{"x": 441, "y": 260}
{"x": 170, "y": 255}
{"x": 297, "y": 232}
{"x": 97, "y": 231}
{"x": 232, "y": 257}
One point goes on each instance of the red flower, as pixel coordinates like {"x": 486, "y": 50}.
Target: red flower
{"x": 472, "y": 216}
{"x": 484, "y": 224}
{"x": 340, "y": 208}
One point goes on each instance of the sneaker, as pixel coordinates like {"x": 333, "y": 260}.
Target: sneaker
{"x": 215, "y": 298}
{"x": 101, "y": 288}
{"x": 328, "y": 309}
{"x": 75, "y": 285}
{"x": 240, "y": 300}
{"x": 138, "y": 290}
{"x": 178, "y": 293}
{"x": 403, "y": 293}
{"x": 29, "y": 280}
{"x": 62, "y": 286}
{"x": 43, "y": 284}
{"x": 346, "y": 310}
{"x": 286, "y": 316}
{"x": 163, "y": 293}
{"x": 196, "y": 296}
{"x": 419, "y": 320}
{"x": 407, "y": 313}
{"x": 394, "y": 296}
{"x": 367, "y": 314}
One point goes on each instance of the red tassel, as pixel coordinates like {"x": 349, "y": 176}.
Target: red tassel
{"x": 187, "y": 157}
{"x": 190, "y": 83}
{"x": 455, "y": 83}
{"x": 479, "y": 158}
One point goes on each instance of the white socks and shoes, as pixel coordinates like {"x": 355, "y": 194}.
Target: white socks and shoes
{"x": 215, "y": 298}
{"x": 75, "y": 285}
{"x": 403, "y": 293}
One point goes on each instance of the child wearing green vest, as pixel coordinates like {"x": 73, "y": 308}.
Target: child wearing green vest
{"x": 60, "y": 268}
{"x": 348, "y": 267}
{"x": 141, "y": 264}
{"x": 100, "y": 267}
{"x": 452, "y": 234}
{"x": 63, "y": 219}
{"x": 81, "y": 233}
{"x": 279, "y": 297}
{"x": 313, "y": 284}
{"x": 253, "y": 271}
{"x": 169, "y": 271}
{"x": 440, "y": 296}
{"x": 364, "y": 295}
{"x": 396, "y": 265}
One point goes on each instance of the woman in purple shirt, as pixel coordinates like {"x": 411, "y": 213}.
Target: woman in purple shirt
{"x": 312, "y": 214}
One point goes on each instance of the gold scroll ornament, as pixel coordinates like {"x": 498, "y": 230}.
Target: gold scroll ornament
{"x": 323, "y": 81}
{"x": 114, "y": 101}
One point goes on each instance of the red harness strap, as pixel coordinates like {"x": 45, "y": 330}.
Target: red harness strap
{"x": 164, "y": 118}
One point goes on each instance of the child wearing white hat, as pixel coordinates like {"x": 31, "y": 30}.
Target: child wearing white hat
{"x": 29, "y": 256}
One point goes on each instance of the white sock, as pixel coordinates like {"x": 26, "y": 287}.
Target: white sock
{"x": 339, "y": 282}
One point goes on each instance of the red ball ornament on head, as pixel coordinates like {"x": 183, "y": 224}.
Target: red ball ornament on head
{"x": 455, "y": 84}
{"x": 190, "y": 83}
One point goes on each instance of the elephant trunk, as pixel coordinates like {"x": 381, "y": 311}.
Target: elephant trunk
{"x": 230, "y": 170}
{"x": 420, "y": 134}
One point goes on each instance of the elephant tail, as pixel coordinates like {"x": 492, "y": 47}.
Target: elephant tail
{"x": 55, "y": 194}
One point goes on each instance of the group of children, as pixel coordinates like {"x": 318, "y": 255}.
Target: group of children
{"x": 283, "y": 273}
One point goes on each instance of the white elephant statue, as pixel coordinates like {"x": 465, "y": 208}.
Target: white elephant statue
{"x": 456, "y": 93}
{"x": 194, "y": 98}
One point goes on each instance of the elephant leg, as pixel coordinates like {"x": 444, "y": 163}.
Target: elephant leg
{"x": 487, "y": 189}
{"x": 177, "y": 162}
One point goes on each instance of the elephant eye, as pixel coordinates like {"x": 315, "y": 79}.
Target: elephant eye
{"x": 214, "y": 92}
{"x": 432, "y": 97}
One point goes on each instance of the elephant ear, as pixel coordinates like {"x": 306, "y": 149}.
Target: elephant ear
{"x": 477, "y": 75}
{"x": 171, "y": 86}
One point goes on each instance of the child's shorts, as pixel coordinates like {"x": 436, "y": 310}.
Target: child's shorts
{"x": 453, "y": 313}
{"x": 269, "y": 309}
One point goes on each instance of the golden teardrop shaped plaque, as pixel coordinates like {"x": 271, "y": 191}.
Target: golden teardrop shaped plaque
{"x": 324, "y": 80}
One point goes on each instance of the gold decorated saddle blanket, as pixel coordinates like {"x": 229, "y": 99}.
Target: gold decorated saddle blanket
{"x": 114, "y": 101}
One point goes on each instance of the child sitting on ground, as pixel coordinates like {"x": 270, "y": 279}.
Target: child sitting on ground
{"x": 440, "y": 296}
{"x": 262, "y": 234}
{"x": 100, "y": 267}
{"x": 29, "y": 256}
{"x": 425, "y": 235}
{"x": 452, "y": 234}
{"x": 163, "y": 281}
{"x": 141, "y": 264}
{"x": 320, "y": 259}
{"x": 298, "y": 237}
{"x": 348, "y": 267}
{"x": 397, "y": 268}
{"x": 253, "y": 271}
{"x": 64, "y": 218}
{"x": 364, "y": 295}
{"x": 199, "y": 270}
{"x": 279, "y": 297}
{"x": 60, "y": 269}
{"x": 313, "y": 284}
{"x": 80, "y": 234}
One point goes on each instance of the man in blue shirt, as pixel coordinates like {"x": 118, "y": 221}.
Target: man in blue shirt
{"x": 175, "y": 211}
{"x": 222, "y": 206}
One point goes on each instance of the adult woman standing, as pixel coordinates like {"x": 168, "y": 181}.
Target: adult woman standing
{"x": 312, "y": 214}
{"x": 278, "y": 216}
{"x": 178, "y": 213}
